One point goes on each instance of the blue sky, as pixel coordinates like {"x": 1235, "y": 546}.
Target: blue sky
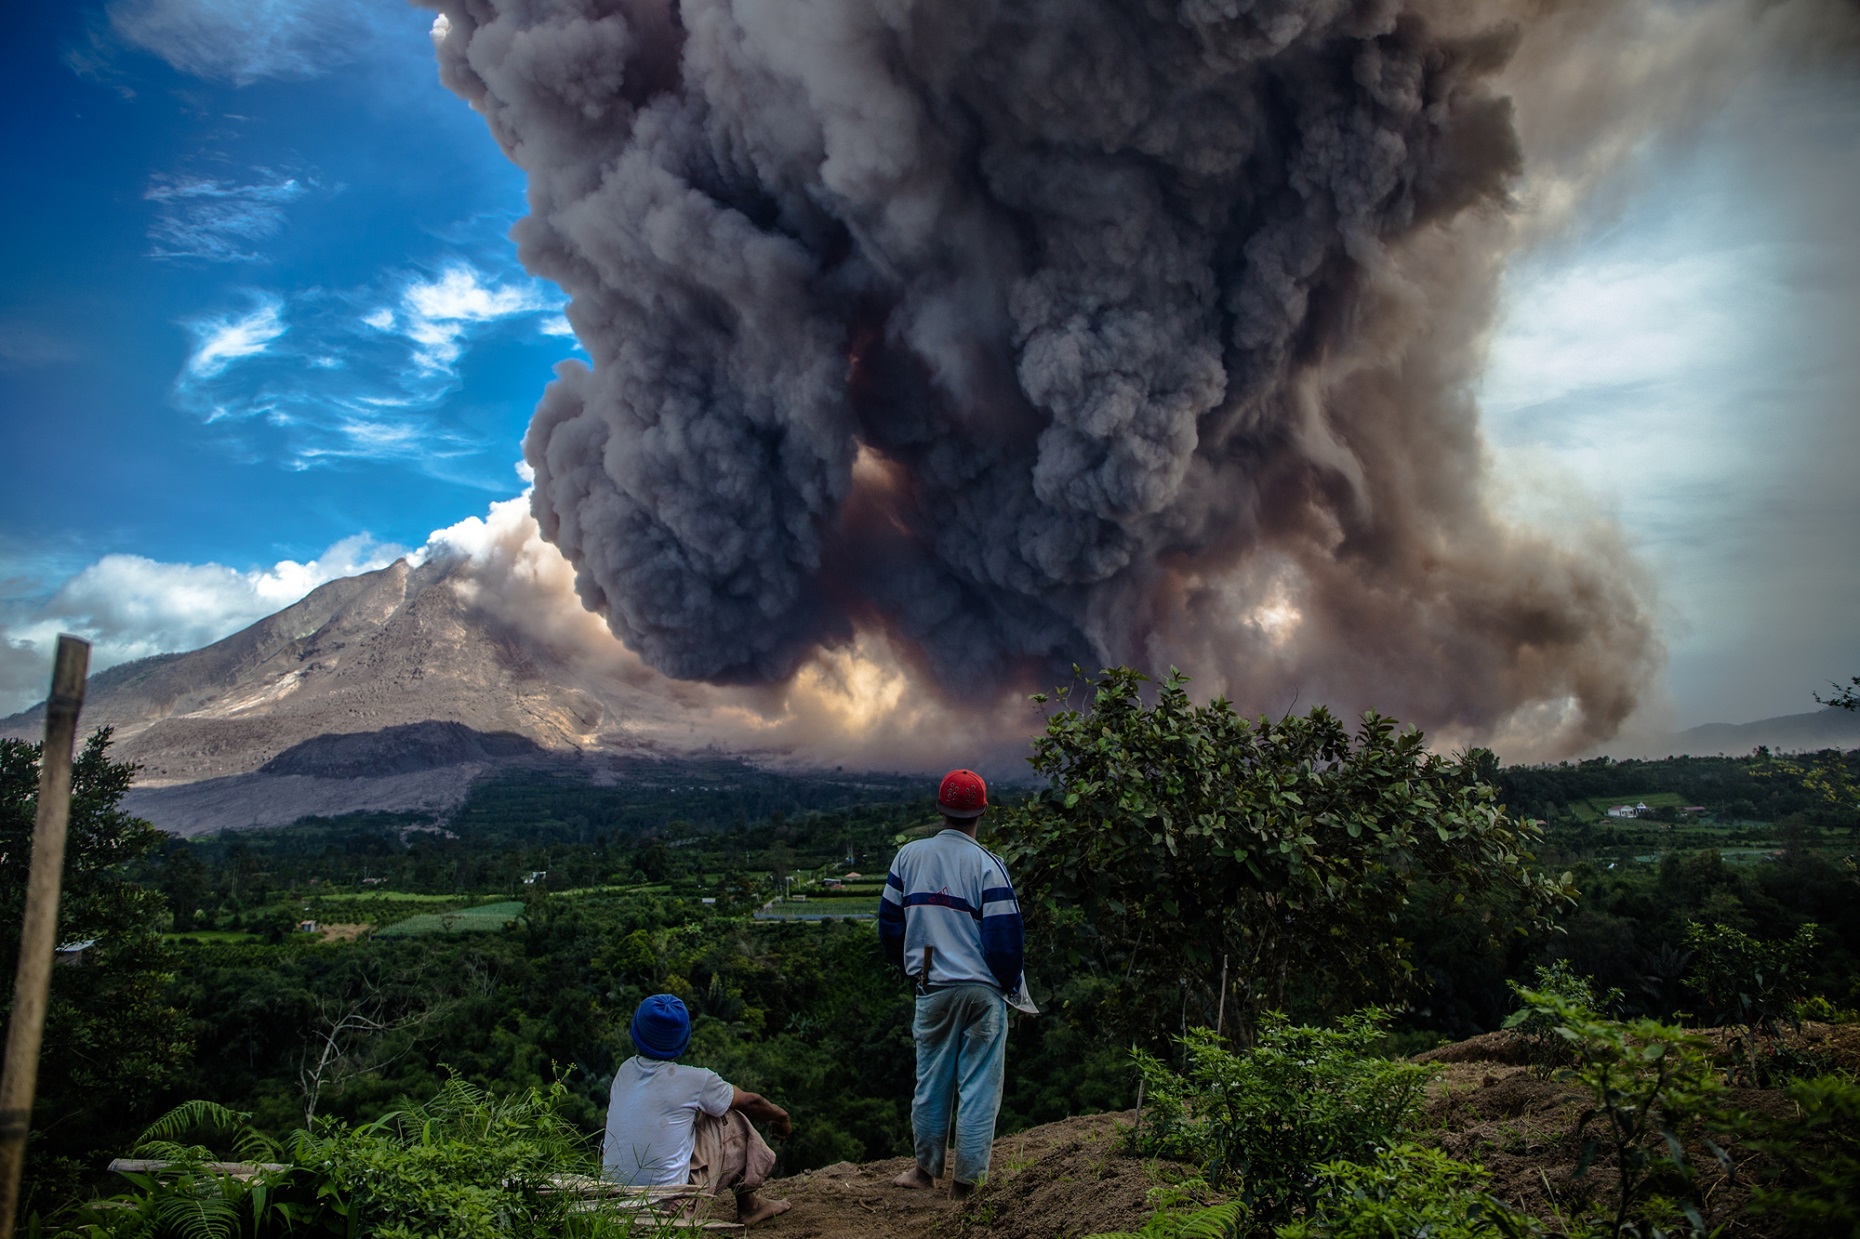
{"x": 261, "y": 325}
{"x": 258, "y": 298}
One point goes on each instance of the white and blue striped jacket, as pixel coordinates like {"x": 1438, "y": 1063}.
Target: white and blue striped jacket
{"x": 951, "y": 894}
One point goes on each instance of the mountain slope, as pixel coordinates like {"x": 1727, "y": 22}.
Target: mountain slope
{"x": 391, "y": 690}
{"x": 388, "y": 649}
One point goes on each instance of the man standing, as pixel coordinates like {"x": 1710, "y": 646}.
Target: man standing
{"x": 668, "y": 1123}
{"x": 949, "y": 919}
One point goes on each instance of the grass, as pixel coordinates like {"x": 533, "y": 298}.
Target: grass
{"x": 205, "y": 936}
{"x": 485, "y": 918}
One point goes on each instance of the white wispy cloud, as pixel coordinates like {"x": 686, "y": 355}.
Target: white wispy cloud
{"x": 358, "y": 374}
{"x": 439, "y": 311}
{"x": 210, "y": 220}
{"x": 243, "y": 41}
{"x": 129, "y": 607}
{"x": 220, "y": 341}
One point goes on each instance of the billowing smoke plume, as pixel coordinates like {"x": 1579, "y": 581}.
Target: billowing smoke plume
{"x": 1033, "y": 332}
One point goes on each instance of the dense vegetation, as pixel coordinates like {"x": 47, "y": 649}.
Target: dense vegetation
{"x": 502, "y": 948}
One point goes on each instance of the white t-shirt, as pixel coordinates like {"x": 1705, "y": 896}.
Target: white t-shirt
{"x": 652, "y": 1119}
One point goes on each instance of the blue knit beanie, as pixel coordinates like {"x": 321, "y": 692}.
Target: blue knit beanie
{"x": 661, "y": 1027}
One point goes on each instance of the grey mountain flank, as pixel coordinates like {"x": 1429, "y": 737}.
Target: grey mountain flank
{"x": 385, "y": 691}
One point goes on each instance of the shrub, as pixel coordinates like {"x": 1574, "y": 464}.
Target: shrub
{"x": 1538, "y": 1031}
{"x": 1818, "y": 1152}
{"x": 1648, "y": 1085}
{"x": 1409, "y": 1190}
{"x": 466, "y": 1165}
{"x": 1265, "y": 1117}
{"x": 1750, "y": 984}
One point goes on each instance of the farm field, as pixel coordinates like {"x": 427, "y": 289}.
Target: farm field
{"x": 485, "y": 918}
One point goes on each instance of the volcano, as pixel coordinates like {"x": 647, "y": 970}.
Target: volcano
{"x": 387, "y": 691}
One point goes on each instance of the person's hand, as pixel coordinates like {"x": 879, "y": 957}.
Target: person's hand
{"x": 779, "y": 1123}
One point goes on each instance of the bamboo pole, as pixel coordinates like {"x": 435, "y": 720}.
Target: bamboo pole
{"x": 38, "y": 938}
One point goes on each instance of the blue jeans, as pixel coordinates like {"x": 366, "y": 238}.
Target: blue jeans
{"x": 961, "y": 1035}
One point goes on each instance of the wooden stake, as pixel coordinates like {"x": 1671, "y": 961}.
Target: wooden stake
{"x": 38, "y": 937}
{"x": 1220, "y": 1015}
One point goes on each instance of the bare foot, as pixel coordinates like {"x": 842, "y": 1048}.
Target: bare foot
{"x": 959, "y": 1190}
{"x": 914, "y": 1177}
{"x": 751, "y": 1208}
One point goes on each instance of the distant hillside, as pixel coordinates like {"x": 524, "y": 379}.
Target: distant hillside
{"x": 1790, "y": 733}
{"x": 390, "y": 691}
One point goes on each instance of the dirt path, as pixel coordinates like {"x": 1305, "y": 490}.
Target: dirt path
{"x": 1063, "y": 1179}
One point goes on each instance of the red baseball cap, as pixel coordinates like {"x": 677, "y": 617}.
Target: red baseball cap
{"x": 963, "y": 794}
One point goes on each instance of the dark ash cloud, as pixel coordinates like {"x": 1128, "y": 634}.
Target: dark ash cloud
{"x": 1037, "y": 332}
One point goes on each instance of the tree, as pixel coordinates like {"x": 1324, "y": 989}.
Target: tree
{"x": 1846, "y": 696}
{"x": 1175, "y": 843}
{"x": 113, "y": 1043}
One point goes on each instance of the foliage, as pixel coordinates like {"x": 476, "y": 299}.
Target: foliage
{"x": 1543, "y": 1046}
{"x": 1846, "y": 696}
{"x": 1258, "y": 850}
{"x": 1818, "y": 1149}
{"x": 1408, "y": 1190}
{"x": 1828, "y": 775}
{"x": 1750, "y": 984}
{"x": 1223, "y": 1221}
{"x": 467, "y": 1165}
{"x": 1262, "y": 1118}
{"x": 1648, "y": 1085}
{"x": 113, "y": 1040}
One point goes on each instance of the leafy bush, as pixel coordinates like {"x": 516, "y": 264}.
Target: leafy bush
{"x": 1818, "y": 1152}
{"x": 1752, "y": 985}
{"x": 1409, "y": 1190}
{"x": 1265, "y": 1117}
{"x": 464, "y": 1166}
{"x": 1546, "y": 1050}
{"x": 1649, "y": 1085}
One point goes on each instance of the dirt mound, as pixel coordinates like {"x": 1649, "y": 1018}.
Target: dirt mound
{"x": 1492, "y": 1047}
{"x": 1061, "y": 1180}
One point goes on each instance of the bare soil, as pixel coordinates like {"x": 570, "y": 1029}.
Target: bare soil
{"x": 1062, "y": 1179}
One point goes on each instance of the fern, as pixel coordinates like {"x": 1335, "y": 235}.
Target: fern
{"x": 162, "y": 1138}
{"x": 1213, "y": 1222}
{"x": 199, "y": 1213}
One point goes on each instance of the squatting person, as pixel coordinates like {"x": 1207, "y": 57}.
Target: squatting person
{"x": 669, "y": 1123}
{"x": 949, "y": 918}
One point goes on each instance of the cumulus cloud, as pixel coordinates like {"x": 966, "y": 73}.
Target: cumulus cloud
{"x": 130, "y": 606}
{"x": 242, "y": 41}
{"x": 208, "y": 220}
